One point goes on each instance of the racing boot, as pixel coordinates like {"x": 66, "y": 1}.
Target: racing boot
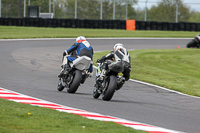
{"x": 61, "y": 73}
{"x": 65, "y": 70}
{"x": 120, "y": 82}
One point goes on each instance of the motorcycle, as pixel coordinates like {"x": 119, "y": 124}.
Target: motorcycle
{"x": 111, "y": 82}
{"x": 77, "y": 74}
{"x": 194, "y": 43}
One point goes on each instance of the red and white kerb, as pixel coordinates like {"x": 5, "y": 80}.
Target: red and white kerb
{"x": 20, "y": 98}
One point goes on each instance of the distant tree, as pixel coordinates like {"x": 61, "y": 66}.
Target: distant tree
{"x": 19, "y": 8}
{"x": 10, "y": 8}
{"x": 121, "y": 6}
{"x": 131, "y": 12}
{"x": 194, "y": 17}
{"x": 165, "y": 11}
{"x": 107, "y": 10}
{"x": 59, "y": 8}
{"x": 90, "y": 9}
{"x": 15, "y": 8}
{"x": 139, "y": 15}
{"x": 86, "y": 9}
{"x": 184, "y": 13}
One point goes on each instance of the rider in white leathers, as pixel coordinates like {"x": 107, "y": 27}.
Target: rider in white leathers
{"x": 119, "y": 53}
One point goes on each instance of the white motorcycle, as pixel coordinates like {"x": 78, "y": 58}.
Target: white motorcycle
{"x": 112, "y": 82}
{"x": 76, "y": 76}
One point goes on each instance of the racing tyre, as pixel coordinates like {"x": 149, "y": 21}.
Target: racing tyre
{"x": 108, "y": 94}
{"x": 191, "y": 44}
{"x": 77, "y": 77}
{"x": 60, "y": 87}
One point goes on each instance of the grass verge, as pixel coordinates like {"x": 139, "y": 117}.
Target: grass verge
{"x": 13, "y": 32}
{"x": 23, "y": 118}
{"x": 176, "y": 69}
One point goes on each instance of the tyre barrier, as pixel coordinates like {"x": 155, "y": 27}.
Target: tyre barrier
{"x": 99, "y": 24}
{"x": 65, "y": 23}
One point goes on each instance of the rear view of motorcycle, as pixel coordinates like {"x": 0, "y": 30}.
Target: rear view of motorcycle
{"x": 111, "y": 82}
{"x": 194, "y": 43}
{"x": 77, "y": 74}
{"x": 107, "y": 74}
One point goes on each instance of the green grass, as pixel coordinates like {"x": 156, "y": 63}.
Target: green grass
{"x": 14, "y": 118}
{"x": 176, "y": 69}
{"x": 12, "y": 32}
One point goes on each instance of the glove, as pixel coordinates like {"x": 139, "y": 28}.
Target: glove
{"x": 65, "y": 53}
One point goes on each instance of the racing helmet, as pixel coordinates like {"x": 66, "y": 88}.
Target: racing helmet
{"x": 80, "y": 39}
{"x": 120, "y": 53}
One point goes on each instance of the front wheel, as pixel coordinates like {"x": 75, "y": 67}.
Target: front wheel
{"x": 192, "y": 44}
{"x": 96, "y": 94}
{"x": 77, "y": 77}
{"x": 60, "y": 87}
{"x": 109, "y": 92}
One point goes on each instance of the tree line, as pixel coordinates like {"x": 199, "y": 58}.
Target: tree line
{"x": 164, "y": 11}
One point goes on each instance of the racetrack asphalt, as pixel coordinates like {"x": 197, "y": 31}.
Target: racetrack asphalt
{"x": 31, "y": 67}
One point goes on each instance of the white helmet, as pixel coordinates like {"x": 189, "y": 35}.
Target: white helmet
{"x": 121, "y": 53}
{"x": 118, "y": 45}
{"x": 80, "y": 39}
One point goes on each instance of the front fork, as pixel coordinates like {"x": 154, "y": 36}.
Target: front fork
{"x": 101, "y": 86}
{"x": 66, "y": 80}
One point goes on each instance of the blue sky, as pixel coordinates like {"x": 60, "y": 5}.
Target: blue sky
{"x": 193, "y": 4}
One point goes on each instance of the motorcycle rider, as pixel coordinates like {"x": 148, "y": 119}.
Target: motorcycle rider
{"x": 119, "y": 52}
{"x": 81, "y": 48}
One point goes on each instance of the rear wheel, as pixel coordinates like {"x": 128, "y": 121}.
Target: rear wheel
{"x": 109, "y": 92}
{"x": 77, "y": 77}
{"x": 60, "y": 87}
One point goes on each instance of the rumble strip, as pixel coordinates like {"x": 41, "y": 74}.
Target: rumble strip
{"x": 20, "y": 98}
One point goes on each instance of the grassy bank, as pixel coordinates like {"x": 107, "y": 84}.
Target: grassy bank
{"x": 23, "y": 118}
{"x": 12, "y": 32}
{"x": 176, "y": 69}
